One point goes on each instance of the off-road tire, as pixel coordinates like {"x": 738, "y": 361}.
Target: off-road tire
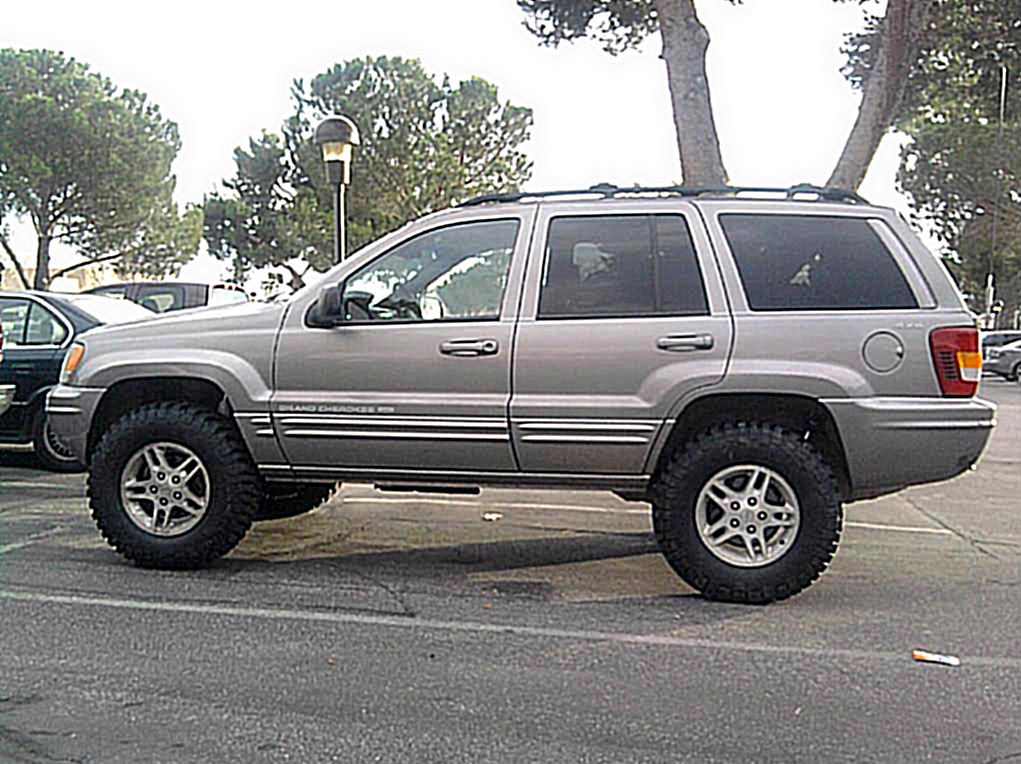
{"x": 235, "y": 486}
{"x": 675, "y": 494}
{"x": 49, "y": 456}
{"x": 283, "y": 500}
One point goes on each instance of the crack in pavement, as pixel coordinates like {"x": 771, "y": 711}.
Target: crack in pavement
{"x": 971, "y": 541}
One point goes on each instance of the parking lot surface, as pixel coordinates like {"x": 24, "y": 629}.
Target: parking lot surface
{"x": 403, "y": 627}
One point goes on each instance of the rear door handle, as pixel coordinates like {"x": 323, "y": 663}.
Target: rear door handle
{"x": 683, "y": 343}
{"x": 470, "y": 348}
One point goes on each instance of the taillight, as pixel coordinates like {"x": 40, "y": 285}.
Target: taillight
{"x": 957, "y": 359}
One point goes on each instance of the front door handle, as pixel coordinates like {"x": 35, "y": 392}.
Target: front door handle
{"x": 470, "y": 348}
{"x": 683, "y": 343}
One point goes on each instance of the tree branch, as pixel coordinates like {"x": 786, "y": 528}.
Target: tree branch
{"x": 17, "y": 265}
{"x": 76, "y": 266}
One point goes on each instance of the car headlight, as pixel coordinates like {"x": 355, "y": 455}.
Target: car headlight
{"x": 72, "y": 361}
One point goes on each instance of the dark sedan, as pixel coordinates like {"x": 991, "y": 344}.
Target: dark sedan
{"x": 38, "y": 328}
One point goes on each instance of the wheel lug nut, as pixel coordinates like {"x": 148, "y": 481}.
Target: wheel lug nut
{"x": 153, "y": 489}
{"x": 762, "y": 515}
{"x": 163, "y": 502}
{"x": 735, "y": 506}
{"x": 177, "y": 495}
{"x": 751, "y": 529}
{"x": 175, "y": 480}
{"x": 161, "y": 476}
{"x": 752, "y": 501}
{"x": 734, "y": 523}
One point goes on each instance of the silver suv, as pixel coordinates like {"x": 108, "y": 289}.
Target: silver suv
{"x": 746, "y": 365}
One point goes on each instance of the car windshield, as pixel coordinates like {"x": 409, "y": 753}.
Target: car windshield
{"x": 109, "y": 310}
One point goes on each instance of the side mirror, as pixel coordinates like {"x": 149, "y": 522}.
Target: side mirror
{"x": 328, "y": 310}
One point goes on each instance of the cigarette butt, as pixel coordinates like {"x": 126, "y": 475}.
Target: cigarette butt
{"x": 491, "y": 517}
{"x": 925, "y": 657}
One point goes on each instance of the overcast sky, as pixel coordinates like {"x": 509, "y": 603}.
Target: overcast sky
{"x": 222, "y": 71}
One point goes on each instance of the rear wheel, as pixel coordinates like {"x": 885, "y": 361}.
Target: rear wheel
{"x": 747, "y": 513}
{"x": 172, "y": 486}
{"x": 1015, "y": 373}
{"x": 285, "y": 500}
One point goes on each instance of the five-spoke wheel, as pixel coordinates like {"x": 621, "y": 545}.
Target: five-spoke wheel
{"x": 165, "y": 489}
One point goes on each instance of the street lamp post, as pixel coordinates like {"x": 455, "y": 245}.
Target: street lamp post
{"x": 336, "y": 136}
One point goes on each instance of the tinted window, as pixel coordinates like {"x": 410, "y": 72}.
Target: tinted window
{"x": 625, "y": 265}
{"x": 790, "y": 262}
{"x": 454, "y": 273}
{"x": 14, "y": 317}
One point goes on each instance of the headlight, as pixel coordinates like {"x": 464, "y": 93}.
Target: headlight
{"x": 72, "y": 361}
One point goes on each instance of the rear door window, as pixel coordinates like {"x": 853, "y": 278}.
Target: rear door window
{"x": 621, "y": 266}
{"x": 801, "y": 262}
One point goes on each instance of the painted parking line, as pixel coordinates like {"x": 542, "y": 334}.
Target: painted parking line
{"x": 607, "y": 511}
{"x": 478, "y": 627}
{"x": 35, "y": 484}
{"x": 900, "y": 528}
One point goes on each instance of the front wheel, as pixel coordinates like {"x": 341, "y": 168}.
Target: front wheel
{"x": 747, "y": 513}
{"x": 172, "y": 485}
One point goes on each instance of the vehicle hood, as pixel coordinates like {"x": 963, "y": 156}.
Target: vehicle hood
{"x": 198, "y": 327}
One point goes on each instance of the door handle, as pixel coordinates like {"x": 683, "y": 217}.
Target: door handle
{"x": 470, "y": 348}
{"x": 683, "y": 343}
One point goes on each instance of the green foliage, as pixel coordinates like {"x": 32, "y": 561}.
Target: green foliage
{"x": 618, "y": 25}
{"x": 957, "y": 72}
{"x": 961, "y": 174}
{"x": 89, "y": 165}
{"x": 424, "y": 146}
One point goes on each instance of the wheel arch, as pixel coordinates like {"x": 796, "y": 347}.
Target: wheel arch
{"x": 129, "y": 394}
{"x": 804, "y": 415}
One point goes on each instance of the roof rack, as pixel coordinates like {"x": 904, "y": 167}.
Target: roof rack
{"x": 609, "y": 191}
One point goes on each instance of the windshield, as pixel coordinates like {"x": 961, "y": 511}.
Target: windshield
{"x": 108, "y": 310}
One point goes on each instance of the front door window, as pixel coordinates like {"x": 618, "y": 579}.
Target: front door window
{"x": 457, "y": 273}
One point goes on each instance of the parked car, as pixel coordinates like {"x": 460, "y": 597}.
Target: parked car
{"x": 165, "y": 296}
{"x": 6, "y": 391}
{"x": 745, "y": 365}
{"x": 1005, "y": 361}
{"x": 996, "y": 339}
{"x": 38, "y": 329}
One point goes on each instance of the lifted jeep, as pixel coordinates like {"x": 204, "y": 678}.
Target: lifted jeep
{"x": 746, "y": 361}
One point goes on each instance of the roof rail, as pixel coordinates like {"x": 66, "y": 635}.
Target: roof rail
{"x": 609, "y": 191}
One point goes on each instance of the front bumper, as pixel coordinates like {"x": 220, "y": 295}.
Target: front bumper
{"x": 891, "y": 443}
{"x": 70, "y": 411}
{"x": 6, "y": 397}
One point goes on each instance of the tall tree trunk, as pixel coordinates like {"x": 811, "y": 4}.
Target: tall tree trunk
{"x": 685, "y": 41}
{"x": 901, "y": 34}
{"x": 42, "y": 262}
{"x": 14, "y": 259}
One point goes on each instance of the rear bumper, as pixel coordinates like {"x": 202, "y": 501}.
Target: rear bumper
{"x": 6, "y": 397}
{"x": 891, "y": 443}
{"x": 70, "y": 412}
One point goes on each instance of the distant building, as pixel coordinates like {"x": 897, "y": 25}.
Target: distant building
{"x": 78, "y": 280}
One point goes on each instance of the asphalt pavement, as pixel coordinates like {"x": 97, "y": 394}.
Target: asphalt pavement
{"x": 410, "y": 628}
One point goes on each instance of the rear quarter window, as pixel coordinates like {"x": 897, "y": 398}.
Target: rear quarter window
{"x": 802, "y": 262}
